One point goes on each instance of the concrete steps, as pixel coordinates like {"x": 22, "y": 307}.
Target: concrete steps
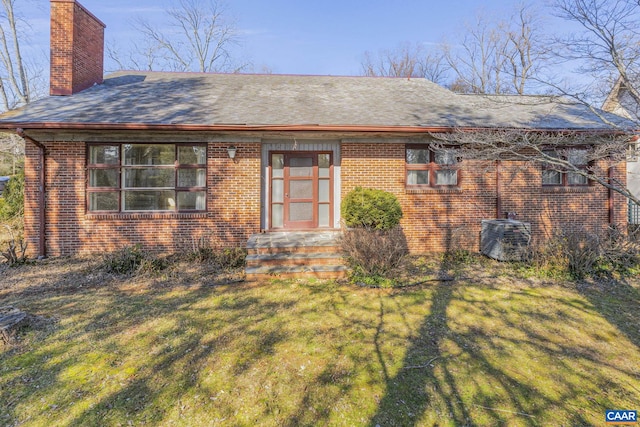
{"x": 294, "y": 255}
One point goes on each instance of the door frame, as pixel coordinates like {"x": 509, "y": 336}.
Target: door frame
{"x": 313, "y": 224}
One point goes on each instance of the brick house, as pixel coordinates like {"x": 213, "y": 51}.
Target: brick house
{"x": 160, "y": 158}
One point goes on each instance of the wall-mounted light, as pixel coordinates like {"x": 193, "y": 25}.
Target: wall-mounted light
{"x": 232, "y": 152}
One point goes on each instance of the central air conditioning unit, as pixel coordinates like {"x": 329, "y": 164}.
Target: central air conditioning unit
{"x": 505, "y": 239}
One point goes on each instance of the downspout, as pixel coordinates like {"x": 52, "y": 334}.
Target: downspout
{"x": 498, "y": 190}
{"x": 610, "y": 197}
{"x": 42, "y": 247}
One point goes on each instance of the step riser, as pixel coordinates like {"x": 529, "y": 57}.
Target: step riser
{"x": 296, "y": 275}
{"x": 294, "y": 250}
{"x": 294, "y": 262}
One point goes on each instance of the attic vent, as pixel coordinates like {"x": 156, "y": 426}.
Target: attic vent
{"x": 505, "y": 239}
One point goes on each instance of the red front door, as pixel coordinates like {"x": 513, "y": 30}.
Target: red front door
{"x": 301, "y": 185}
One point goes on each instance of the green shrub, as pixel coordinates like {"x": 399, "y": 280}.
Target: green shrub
{"x": 371, "y": 208}
{"x": 13, "y": 197}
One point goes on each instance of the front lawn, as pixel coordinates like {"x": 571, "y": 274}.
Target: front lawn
{"x": 486, "y": 350}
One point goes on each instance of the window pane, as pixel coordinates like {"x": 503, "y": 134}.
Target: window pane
{"x": 417, "y": 177}
{"x": 191, "y": 200}
{"x": 576, "y": 179}
{"x": 192, "y": 177}
{"x": 149, "y": 200}
{"x": 447, "y": 157}
{"x": 103, "y": 201}
{"x": 301, "y": 189}
{"x": 277, "y": 165}
{"x": 147, "y": 154}
{"x": 276, "y": 216}
{"x": 417, "y": 156}
{"x": 551, "y": 177}
{"x": 104, "y": 154}
{"x": 324, "y": 163}
{"x": 277, "y": 189}
{"x": 577, "y": 157}
{"x": 301, "y": 166}
{"x": 149, "y": 177}
{"x": 447, "y": 177}
{"x": 323, "y": 190}
{"x": 192, "y": 155}
{"x": 103, "y": 178}
{"x": 323, "y": 215}
{"x": 301, "y": 211}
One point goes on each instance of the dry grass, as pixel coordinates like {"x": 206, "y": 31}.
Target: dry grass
{"x": 183, "y": 349}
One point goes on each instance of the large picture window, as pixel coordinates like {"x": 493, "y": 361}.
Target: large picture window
{"x": 430, "y": 168}
{"x": 552, "y": 176}
{"x": 146, "y": 177}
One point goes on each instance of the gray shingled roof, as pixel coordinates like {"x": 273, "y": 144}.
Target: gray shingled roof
{"x": 242, "y": 99}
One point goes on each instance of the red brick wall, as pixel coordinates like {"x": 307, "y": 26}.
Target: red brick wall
{"x": 437, "y": 220}
{"x": 77, "y": 48}
{"x": 233, "y": 203}
{"x": 433, "y": 220}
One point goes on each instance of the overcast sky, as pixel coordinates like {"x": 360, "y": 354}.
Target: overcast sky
{"x": 296, "y": 37}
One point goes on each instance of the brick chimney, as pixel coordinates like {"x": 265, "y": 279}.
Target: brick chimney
{"x": 77, "y": 48}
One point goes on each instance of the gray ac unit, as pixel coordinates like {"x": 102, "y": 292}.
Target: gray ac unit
{"x": 505, "y": 239}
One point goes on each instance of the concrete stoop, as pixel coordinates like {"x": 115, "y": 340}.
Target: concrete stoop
{"x": 294, "y": 255}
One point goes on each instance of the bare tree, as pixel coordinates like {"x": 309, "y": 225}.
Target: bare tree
{"x": 15, "y": 83}
{"x": 587, "y": 156}
{"x": 606, "y": 49}
{"x": 407, "y": 60}
{"x": 196, "y": 37}
{"x": 11, "y": 153}
{"x": 498, "y": 57}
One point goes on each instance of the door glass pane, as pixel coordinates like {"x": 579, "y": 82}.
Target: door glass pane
{"x": 447, "y": 177}
{"x": 192, "y": 155}
{"x": 277, "y": 165}
{"x": 324, "y": 162}
{"x": 323, "y": 215}
{"x": 103, "y": 178}
{"x": 150, "y": 200}
{"x": 301, "y": 166}
{"x": 148, "y": 154}
{"x": 103, "y": 201}
{"x": 276, "y": 216}
{"x": 301, "y": 211}
{"x": 192, "y": 177}
{"x": 191, "y": 200}
{"x": 417, "y": 177}
{"x": 104, "y": 154}
{"x": 301, "y": 189}
{"x": 149, "y": 177}
{"x": 277, "y": 191}
{"x": 323, "y": 190}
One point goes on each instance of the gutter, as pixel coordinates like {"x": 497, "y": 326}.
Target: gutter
{"x": 42, "y": 247}
{"x": 282, "y": 128}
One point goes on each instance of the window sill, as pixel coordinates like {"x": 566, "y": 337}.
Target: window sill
{"x": 568, "y": 190}
{"x": 433, "y": 190}
{"x": 145, "y": 215}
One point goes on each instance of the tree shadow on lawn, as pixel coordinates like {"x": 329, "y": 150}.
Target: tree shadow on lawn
{"x": 476, "y": 373}
{"x": 123, "y": 354}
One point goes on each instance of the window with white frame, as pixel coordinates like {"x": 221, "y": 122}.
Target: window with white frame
{"x": 146, "y": 177}
{"x": 431, "y": 168}
{"x": 554, "y": 175}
